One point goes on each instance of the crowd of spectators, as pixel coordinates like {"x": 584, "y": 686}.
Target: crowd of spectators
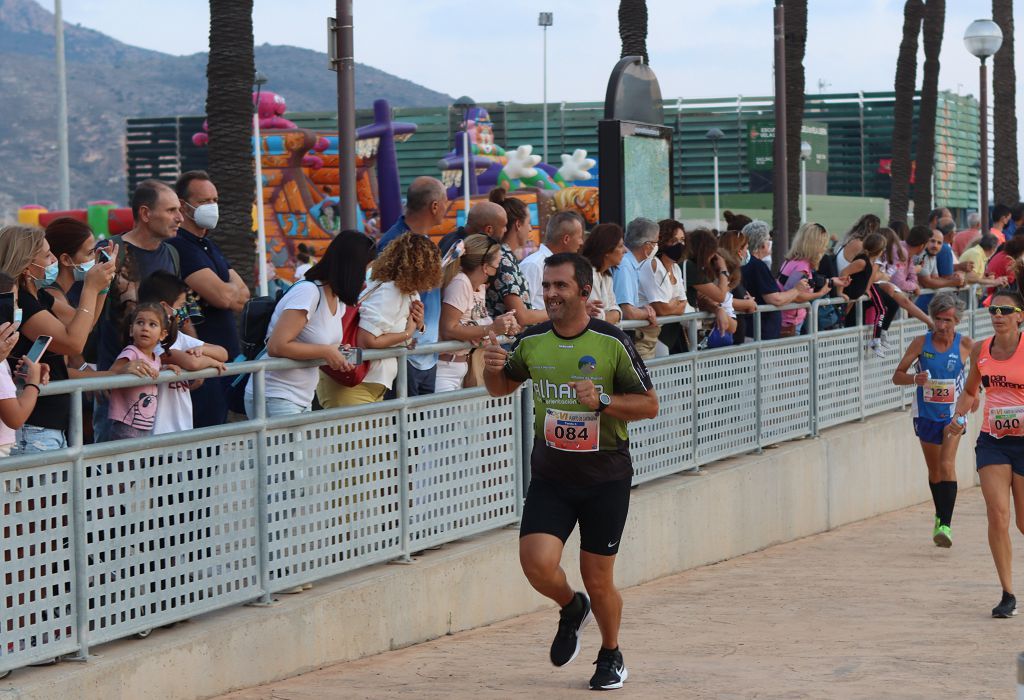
{"x": 163, "y": 297}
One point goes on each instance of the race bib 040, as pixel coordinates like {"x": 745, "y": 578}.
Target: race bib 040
{"x": 572, "y": 431}
{"x": 1006, "y": 421}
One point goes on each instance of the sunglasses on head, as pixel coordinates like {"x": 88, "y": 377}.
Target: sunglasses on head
{"x": 1004, "y": 310}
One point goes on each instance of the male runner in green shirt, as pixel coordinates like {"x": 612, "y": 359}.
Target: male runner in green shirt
{"x": 587, "y": 382}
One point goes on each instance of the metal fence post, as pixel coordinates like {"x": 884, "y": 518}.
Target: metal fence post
{"x": 78, "y": 520}
{"x": 404, "y": 477}
{"x": 259, "y": 402}
{"x": 861, "y": 356}
{"x": 813, "y": 360}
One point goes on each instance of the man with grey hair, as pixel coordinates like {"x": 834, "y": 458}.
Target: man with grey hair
{"x": 759, "y": 281}
{"x": 563, "y": 234}
{"x": 969, "y": 236}
{"x": 641, "y": 241}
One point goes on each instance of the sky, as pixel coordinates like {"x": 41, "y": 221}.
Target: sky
{"x": 698, "y": 48}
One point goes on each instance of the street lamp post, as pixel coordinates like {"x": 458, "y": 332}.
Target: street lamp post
{"x": 64, "y": 178}
{"x": 259, "y": 80}
{"x": 714, "y": 135}
{"x": 805, "y": 155}
{"x": 983, "y": 38}
{"x": 545, "y": 20}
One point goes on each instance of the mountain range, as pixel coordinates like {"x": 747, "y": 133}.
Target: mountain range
{"x": 109, "y": 81}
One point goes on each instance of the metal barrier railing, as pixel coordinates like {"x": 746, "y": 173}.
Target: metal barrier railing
{"x": 103, "y": 541}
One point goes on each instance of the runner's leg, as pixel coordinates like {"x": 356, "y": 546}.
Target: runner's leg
{"x": 1017, "y": 487}
{"x": 996, "y": 485}
{"x": 947, "y": 478}
{"x": 540, "y": 555}
{"x": 598, "y": 573}
{"x": 932, "y": 459}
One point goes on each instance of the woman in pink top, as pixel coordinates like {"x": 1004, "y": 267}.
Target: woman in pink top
{"x": 998, "y": 365}
{"x": 805, "y": 253}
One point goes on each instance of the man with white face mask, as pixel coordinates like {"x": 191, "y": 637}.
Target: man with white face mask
{"x": 221, "y": 291}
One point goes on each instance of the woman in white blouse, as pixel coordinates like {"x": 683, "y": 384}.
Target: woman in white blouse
{"x": 306, "y": 324}
{"x": 663, "y": 286}
{"x": 464, "y": 311}
{"x": 604, "y": 248}
{"x": 390, "y": 312}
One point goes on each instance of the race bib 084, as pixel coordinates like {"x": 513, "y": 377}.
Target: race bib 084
{"x": 572, "y": 431}
{"x": 1006, "y": 421}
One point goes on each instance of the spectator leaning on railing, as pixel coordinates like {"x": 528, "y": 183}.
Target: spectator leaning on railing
{"x": 15, "y": 406}
{"x": 758, "y": 280}
{"x": 306, "y": 324}
{"x": 604, "y": 248}
{"x": 641, "y": 241}
{"x": 509, "y": 290}
{"x": 802, "y": 261}
{"x": 464, "y": 309}
{"x": 936, "y": 269}
{"x": 390, "y": 312}
{"x": 25, "y": 256}
{"x": 663, "y": 288}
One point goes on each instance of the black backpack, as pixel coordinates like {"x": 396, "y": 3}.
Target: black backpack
{"x": 256, "y": 317}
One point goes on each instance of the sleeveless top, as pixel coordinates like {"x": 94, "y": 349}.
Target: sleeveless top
{"x": 841, "y": 262}
{"x": 1004, "y": 392}
{"x": 937, "y": 398}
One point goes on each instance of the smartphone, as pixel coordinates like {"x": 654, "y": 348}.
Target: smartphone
{"x": 39, "y": 347}
{"x": 8, "y": 313}
{"x": 102, "y": 255}
{"x": 34, "y": 353}
{"x": 353, "y": 355}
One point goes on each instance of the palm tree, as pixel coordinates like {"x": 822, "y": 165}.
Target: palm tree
{"x": 1005, "y": 176}
{"x": 932, "y": 26}
{"x": 229, "y": 78}
{"x": 903, "y": 110}
{"x": 633, "y": 28}
{"x": 796, "y": 46}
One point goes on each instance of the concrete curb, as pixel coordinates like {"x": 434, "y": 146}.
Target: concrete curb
{"x": 732, "y": 507}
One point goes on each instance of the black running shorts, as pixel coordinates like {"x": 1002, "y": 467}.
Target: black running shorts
{"x": 554, "y": 508}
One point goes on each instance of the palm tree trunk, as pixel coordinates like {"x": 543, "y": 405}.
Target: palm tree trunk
{"x": 1005, "y": 175}
{"x": 229, "y": 76}
{"x": 796, "y": 46}
{"x": 932, "y": 27}
{"x": 903, "y": 110}
{"x": 633, "y": 28}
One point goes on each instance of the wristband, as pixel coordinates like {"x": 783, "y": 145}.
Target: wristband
{"x": 104, "y": 291}
{"x": 33, "y": 385}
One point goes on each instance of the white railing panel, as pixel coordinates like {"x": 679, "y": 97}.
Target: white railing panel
{"x": 785, "y": 391}
{"x": 462, "y": 468}
{"x": 37, "y": 594}
{"x": 838, "y": 378}
{"x": 726, "y": 404}
{"x": 664, "y": 445}
{"x": 332, "y": 497}
{"x": 170, "y": 533}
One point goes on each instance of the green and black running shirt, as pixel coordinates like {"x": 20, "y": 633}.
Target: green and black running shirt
{"x": 573, "y": 444}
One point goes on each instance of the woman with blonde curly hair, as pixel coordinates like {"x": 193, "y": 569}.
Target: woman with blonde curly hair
{"x": 390, "y": 312}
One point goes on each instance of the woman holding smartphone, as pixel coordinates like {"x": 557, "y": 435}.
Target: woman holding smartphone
{"x": 25, "y": 256}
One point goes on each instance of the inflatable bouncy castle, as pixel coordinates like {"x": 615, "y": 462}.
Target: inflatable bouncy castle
{"x": 544, "y": 189}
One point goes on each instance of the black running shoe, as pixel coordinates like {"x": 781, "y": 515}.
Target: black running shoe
{"x": 1007, "y": 606}
{"x": 611, "y": 671}
{"x": 566, "y": 645}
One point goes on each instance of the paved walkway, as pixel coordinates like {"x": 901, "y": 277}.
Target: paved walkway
{"x": 871, "y": 610}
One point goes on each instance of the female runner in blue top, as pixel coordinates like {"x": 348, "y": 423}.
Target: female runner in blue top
{"x": 939, "y": 357}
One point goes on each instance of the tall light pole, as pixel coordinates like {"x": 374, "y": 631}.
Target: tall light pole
{"x": 62, "y": 112}
{"x": 545, "y": 20}
{"x": 714, "y": 135}
{"x": 340, "y": 51}
{"x": 259, "y": 80}
{"x": 805, "y": 155}
{"x": 983, "y": 38}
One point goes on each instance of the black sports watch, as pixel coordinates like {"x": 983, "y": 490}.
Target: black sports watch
{"x": 603, "y": 401}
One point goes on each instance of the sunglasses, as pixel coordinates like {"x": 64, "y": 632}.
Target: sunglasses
{"x": 1004, "y": 310}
